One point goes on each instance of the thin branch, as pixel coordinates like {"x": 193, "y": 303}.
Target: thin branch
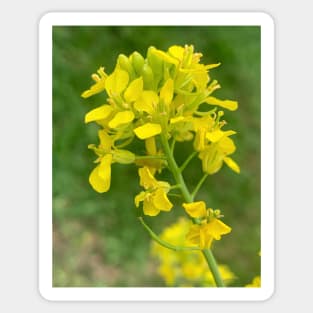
{"x": 191, "y": 156}
{"x": 200, "y": 183}
{"x": 164, "y": 243}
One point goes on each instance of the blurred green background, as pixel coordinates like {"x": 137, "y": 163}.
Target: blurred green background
{"x": 97, "y": 240}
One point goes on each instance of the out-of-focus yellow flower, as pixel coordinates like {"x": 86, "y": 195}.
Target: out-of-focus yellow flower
{"x": 154, "y": 197}
{"x": 210, "y": 227}
{"x": 256, "y": 282}
{"x": 184, "y": 268}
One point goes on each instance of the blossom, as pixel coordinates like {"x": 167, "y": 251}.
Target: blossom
{"x": 100, "y": 177}
{"x": 154, "y": 197}
{"x": 210, "y": 227}
{"x": 217, "y": 151}
{"x": 99, "y": 85}
{"x": 184, "y": 268}
{"x": 256, "y": 282}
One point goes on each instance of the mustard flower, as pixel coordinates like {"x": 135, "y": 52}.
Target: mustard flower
{"x": 154, "y": 197}
{"x": 184, "y": 268}
{"x": 100, "y": 177}
{"x": 99, "y": 85}
{"x": 209, "y": 228}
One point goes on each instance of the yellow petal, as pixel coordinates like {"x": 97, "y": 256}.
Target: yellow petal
{"x": 147, "y": 102}
{"x": 232, "y": 164}
{"x": 215, "y": 135}
{"x": 94, "y": 89}
{"x": 195, "y": 209}
{"x": 105, "y": 141}
{"x": 165, "y": 56}
{"x": 134, "y": 90}
{"x": 121, "y": 118}
{"x": 177, "y": 119}
{"x": 151, "y": 146}
{"x": 193, "y": 235}
{"x": 146, "y": 178}
{"x": 226, "y": 146}
{"x": 140, "y": 197}
{"x": 199, "y": 143}
{"x": 227, "y": 104}
{"x": 216, "y": 228}
{"x": 161, "y": 201}
{"x": 149, "y": 208}
{"x": 99, "y": 113}
{"x": 177, "y": 52}
{"x": 116, "y": 82}
{"x": 210, "y": 66}
{"x": 167, "y": 91}
{"x": 147, "y": 130}
{"x": 100, "y": 177}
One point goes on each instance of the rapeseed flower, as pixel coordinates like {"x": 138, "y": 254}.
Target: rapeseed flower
{"x": 210, "y": 227}
{"x": 154, "y": 197}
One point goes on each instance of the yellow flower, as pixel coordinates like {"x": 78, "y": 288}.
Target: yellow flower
{"x": 209, "y": 228}
{"x": 155, "y": 197}
{"x": 99, "y": 86}
{"x": 256, "y": 282}
{"x": 217, "y": 151}
{"x": 100, "y": 177}
{"x": 184, "y": 268}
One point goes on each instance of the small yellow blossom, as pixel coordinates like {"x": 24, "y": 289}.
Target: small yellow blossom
{"x": 155, "y": 197}
{"x": 210, "y": 227}
{"x": 184, "y": 268}
{"x": 256, "y": 282}
{"x": 100, "y": 177}
{"x": 99, "y": 86}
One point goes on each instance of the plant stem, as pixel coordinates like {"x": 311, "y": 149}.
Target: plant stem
{"x": 189, "y": 198}
{"x": 164, "y": 243}
{"x": 191, "y": 156}
{"x": 153, "y": 157}
{"x": 214, "y": 267}
{"x": 202, "y": 180}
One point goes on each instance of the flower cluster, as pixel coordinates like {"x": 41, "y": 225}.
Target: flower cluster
{"x": 165, "y": 96}
{"x": 159, "y": 94}
{"x": 184, "y": 268}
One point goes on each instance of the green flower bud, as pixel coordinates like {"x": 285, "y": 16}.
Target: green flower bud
{"x": 126, "y": 65}
{"x": 123, "y": 156}
{"x": 156, "y": 64}
{"x": 148, "y": 77}
{"x": 137, "y": 61}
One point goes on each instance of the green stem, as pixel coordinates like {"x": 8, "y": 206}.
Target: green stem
{"x": 144, "y": 157}
{"x": 189, "y": 198}
{"x": 200, "y": 183}
{"x": 164, "y": 243}
{"x": 214, "y": 267}
{"x": 191, "y": 156}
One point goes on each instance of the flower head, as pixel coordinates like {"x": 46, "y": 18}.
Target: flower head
{"x": 209, "y": 228}
{"x": 154, "y": 197}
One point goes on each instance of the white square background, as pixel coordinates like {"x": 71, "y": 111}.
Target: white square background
{"x": 19, "y": 156}
{"x": 267, "y": 156}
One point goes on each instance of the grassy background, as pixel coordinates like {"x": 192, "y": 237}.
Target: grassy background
{"x": 97, "y": 239}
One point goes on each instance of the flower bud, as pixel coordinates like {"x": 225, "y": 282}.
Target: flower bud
{"x": 123, "y": 156}
{"x": 156, "y": 64}
{"x": 137, "y": 61}
{"x": 125, "y": 64}
{"x": 148, "y": 78}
